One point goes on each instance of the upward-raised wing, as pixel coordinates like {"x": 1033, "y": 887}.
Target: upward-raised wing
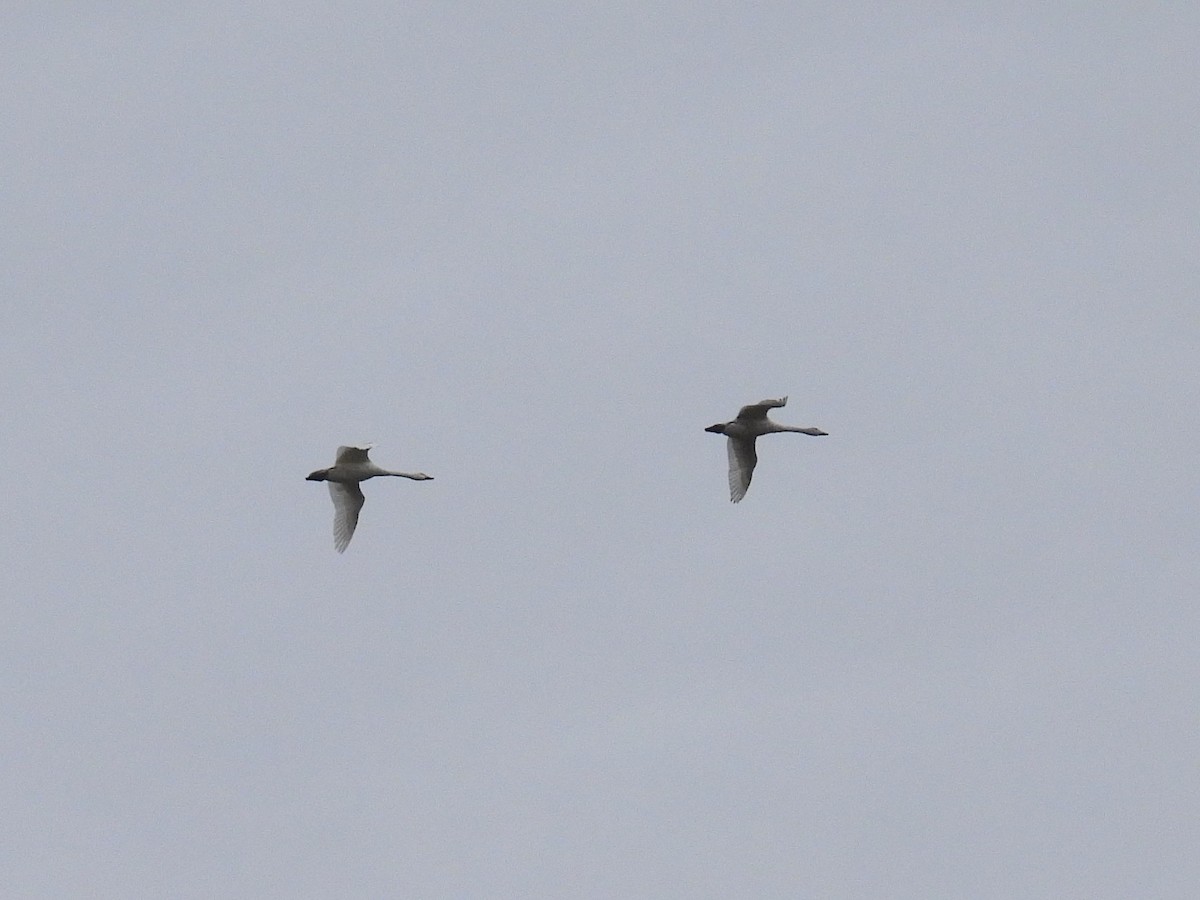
{"x": 347, "y": 501}
{"x": 742, "y": 460}
{"x": 759, "y": 410}
{"x": 351, "y": 455}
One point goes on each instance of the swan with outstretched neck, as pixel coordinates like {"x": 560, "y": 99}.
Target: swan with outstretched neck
{"x": 751, "y": 423}
{"x": 349, "y": 469}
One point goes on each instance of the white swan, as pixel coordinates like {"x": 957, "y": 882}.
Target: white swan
{"x": 351, "y": 467}
{"x": 751, "y": 422}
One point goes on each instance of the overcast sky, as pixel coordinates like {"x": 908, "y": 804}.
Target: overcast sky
{"x": 533, "y": 249}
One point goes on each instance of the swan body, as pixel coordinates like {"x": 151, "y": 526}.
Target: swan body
{"x": 750, "y": 424}
{"x": 349, "y": 469}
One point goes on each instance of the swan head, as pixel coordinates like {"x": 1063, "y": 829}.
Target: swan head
{"x": 719, "y": 428}
{"x": 319, "y": 475}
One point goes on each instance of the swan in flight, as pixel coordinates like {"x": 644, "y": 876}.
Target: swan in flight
{"x": 351, "y": 467}
{"x": 751, "y": 422}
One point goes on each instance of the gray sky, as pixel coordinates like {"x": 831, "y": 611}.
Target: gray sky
{"x": 534, "y": 249}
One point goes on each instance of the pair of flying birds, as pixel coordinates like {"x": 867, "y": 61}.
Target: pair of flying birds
{"x": 352, "y": 465}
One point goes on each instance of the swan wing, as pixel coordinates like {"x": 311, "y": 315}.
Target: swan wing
{"x": 347, "y": 501}
{"x": 351, "y": 455}
{"x": 742, "y": 460}
{"x": 756, "y": 411}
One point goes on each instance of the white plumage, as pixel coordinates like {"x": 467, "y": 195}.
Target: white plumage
{"x": 750, "y": 424}
{"x": 350, "y": 468}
